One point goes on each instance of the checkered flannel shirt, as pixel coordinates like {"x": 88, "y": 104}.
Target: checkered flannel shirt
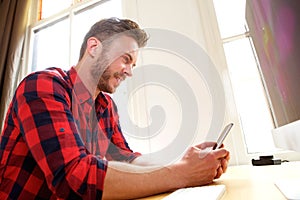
{"x": 56, "y": 139}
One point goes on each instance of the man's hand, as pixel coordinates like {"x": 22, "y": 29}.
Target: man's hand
{"x": 201, "y": 165}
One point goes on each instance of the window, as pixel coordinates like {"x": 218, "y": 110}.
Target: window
{"x": 57, "y": 37}
{"x": 51, "y": 7}
{"x": 249, "y": 93}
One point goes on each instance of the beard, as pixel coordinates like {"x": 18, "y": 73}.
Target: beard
{"x": 99, "y": 67}
{"x": 103, "y": 84}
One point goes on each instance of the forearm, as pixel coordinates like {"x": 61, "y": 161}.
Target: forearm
{"x": 128, "y": 181}
{"x": 157, "y": 160}
{"x": 136, "y": 181}
{"x": 144, "y": 160}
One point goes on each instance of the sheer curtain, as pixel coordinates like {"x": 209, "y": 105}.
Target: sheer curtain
{"x": 13, "y": 22}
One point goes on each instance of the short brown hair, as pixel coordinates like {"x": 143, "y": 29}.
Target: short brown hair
{"x": 109, "y": 27}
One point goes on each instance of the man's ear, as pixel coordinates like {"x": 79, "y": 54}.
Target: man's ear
{"x": 93, "y": 47}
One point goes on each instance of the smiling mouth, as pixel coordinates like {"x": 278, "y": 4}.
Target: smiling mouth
{"x": 119, "y": 79}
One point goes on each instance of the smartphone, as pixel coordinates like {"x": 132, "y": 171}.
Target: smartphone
{"x": 223, "y": 136}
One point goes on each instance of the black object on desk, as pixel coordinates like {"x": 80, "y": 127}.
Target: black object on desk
{"x": 266, "y": 160}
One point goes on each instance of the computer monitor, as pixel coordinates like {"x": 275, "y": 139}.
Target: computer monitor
{"x": 275, "y": 33}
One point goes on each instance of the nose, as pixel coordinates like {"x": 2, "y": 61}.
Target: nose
{"x": 128, "y": 70}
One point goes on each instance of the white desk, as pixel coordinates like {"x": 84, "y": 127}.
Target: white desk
{"x": 253, "y": 182}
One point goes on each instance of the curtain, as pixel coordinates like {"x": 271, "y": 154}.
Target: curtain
{"x": 13, "y": 24}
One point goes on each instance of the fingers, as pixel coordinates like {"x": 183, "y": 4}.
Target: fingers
{"x": 224, "y": 164}
{"x": 205, "y": 145}
{"x": 223, "y": 157}
{"x": 218, "y": 153}
{"x": 222, "y": 168}
{"x": 222, "y": 153}
{"x": 219, "y": 172}
{"x": 204, "y": 170}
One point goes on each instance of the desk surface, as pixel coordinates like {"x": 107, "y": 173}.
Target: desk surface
{"x": 253, "y": 182}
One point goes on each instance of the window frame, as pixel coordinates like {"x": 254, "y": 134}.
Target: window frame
{"x": 36, "y": 26}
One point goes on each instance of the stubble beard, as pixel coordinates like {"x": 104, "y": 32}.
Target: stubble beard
{"x": 101, "y": 74}
{"x": 99, "y": 71}
{"x": 103, "y": 82}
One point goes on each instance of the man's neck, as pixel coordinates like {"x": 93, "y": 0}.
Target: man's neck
{"x": 87, "y": 79}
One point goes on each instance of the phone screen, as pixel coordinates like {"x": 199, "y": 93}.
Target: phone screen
{"x": 223, "y": 136}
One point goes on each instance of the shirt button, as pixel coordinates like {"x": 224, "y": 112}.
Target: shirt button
{"x": 62, "y": 130}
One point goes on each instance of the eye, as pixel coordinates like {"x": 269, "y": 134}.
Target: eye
{"x": 126, "y": 59}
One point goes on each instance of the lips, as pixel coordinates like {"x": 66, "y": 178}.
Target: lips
{"x": 119, "y": 79}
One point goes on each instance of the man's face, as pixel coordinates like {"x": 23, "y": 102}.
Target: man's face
{"x": 123, "y": 56}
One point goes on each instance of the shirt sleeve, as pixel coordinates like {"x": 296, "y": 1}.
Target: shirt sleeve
{"x": 119, "y": 149}
{"x": 43, "y": 109}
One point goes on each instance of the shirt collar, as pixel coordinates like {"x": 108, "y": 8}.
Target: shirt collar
{"x": 102, "y": 101}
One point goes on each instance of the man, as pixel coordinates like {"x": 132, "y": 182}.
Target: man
{"x": 62, "y": 138}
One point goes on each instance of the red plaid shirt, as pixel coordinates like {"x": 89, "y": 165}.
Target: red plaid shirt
{"x": 56, "y": 140}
